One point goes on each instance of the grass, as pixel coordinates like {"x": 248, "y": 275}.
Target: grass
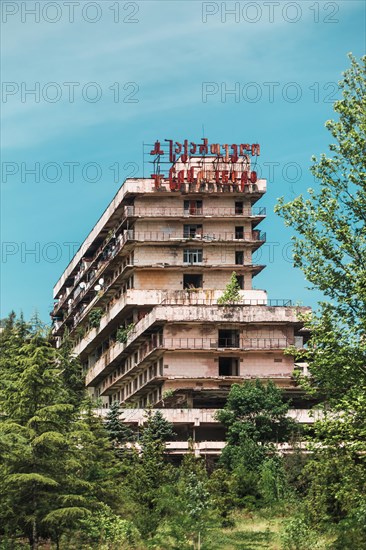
{"x": 250, "y": 532}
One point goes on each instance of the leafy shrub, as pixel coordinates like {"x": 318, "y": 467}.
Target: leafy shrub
{"x": 95, "y": 317}
{"x": 123, "y": 332}
{"x": 297, "y": 535}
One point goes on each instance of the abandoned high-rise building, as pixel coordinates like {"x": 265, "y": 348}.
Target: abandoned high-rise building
{"x": 140, "y": 297}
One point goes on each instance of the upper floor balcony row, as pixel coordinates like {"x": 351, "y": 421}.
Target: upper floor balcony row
{"x": 86, "y": 279}
{"x": 113, "y": 216}
{"x": 117, "y": 237}
{"x": 196, "y": 417}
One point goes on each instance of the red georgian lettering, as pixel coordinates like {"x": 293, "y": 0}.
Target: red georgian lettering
{"x": 185, "y": 154}
{"x": 225, "y": 176}
{"x": 234, "y": 157}
{"x": 256, "y": 150}
{"x": 171, "y": 152}
{"x": 244, "y": 147}
{"x": 253, "y": 177}
{"x": 172, "y": 180}
{"x": 203, "y": 148}
{"x": 193, "y": 149}
{"x": 157, "y": 149}
{"x": 243, "y": 180}
{"x": 226, "y": 149}
{"x": 190, "y": 175}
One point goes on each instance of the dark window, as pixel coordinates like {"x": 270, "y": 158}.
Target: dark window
{"x": 239, "y": 257}
{"x": 191, "y": 231}
{"x": 238, "y": 207}
{"x": 228, "y": 366}
{"x": 228, "y": 338}
{"x": 239, "y": 232}
{"x": 193, "y": 207}
{"x": 192, "y": 255}
{"x": 240, "y": 279}
{"x": 191, "y": 280}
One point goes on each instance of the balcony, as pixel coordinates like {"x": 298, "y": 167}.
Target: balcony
{"x": 168, "y": 237}
{"x": 130, "y": 237}
{"x": 205, "y": 212}
{"x": 168, "y": 312}
{"x": 157, "y": 344}
{"x": 93, "y": 275}
{"x": 196, "y": 417}
{"x": 76, "y": 314}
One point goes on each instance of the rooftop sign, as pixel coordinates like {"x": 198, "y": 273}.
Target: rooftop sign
{"x": 199, "y": 163}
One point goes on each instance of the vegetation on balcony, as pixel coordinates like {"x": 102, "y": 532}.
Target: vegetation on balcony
{"x": 123, "y": 333}
{"x": 95, "y": 317}
{"x": 231, "y": 293}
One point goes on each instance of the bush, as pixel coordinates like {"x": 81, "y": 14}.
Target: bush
{"x": 95, "y": 317}
{"x": 272, "y": 481}
{"x": 297, "y": 535}
{"x": 123, "y": 332}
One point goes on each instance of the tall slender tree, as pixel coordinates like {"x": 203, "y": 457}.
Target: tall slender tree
{"x": 330, "y": 248}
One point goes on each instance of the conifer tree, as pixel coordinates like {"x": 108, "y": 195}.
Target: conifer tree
{"x": 118, "y": 432}
{"x": 147, "y": 476}
{"x": 54, "y": 463}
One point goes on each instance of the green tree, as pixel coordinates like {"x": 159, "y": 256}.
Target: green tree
{"x": 107, "y": 531}
{"x": 147, "y": 474}
{"x": 53, "y": 464}
{"x": 231, "y": 293}
{"x": 156, "y": 428}
{"x": 255, "y": 420}
{"x": 330, "y": 245}
{"x": 191, "y": 512}
{"x": 223, "y": 493}
{"x": 118, "y": 432}
{"x": 330, "y": 248}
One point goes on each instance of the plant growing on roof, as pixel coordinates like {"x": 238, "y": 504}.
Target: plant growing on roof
{"x": 231, "y": 293}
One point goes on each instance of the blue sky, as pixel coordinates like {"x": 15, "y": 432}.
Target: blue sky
{"x": 151, "y": 70}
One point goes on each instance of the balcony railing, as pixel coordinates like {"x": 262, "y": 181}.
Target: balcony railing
{"x": 160, "y": 236}
{"x": 214, "y": 343}
{"x": 179, "y": 212}
{"x": 157, "y": 343}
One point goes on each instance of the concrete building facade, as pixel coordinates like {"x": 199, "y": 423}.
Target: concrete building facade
{"x": 140, "y": 299}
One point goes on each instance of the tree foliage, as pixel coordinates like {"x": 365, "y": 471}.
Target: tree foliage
{"x": 330, "y": 248}
{"x": 119, "y": 433}
{"x": 255, "y": 418}
{"x": 330, "y": 245}
{"x": 147, "y": 474}
{"x": 55, "y": 462}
